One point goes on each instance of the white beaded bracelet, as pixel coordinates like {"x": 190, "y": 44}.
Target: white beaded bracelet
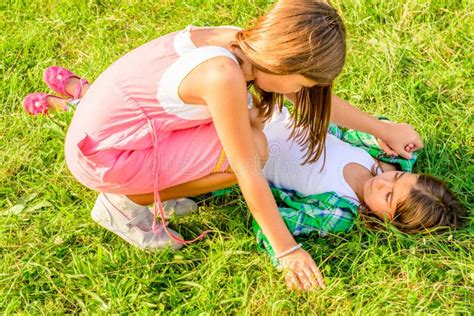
{"x": 288, "y": 251}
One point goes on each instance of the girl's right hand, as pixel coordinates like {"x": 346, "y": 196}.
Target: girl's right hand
{"x": 301, "y": 272}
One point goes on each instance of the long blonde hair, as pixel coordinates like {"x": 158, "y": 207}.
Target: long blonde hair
{"x": 305, "y": 37}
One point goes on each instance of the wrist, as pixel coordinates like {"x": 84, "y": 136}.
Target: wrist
{"x": 283, "y": 244}
{"x": 379, "y": 129}
{"x": 288, "y": 251}
{"x": 281, "y": 239}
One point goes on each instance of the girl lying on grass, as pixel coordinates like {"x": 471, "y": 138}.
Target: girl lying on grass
{"x": 169, "y": 120}
{"x": 327, "y": 195}
{"x": 411, "y": 202}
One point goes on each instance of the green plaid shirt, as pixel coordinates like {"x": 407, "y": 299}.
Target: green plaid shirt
{"x": 326, "y": 212}
{"x": 304, "y": 215}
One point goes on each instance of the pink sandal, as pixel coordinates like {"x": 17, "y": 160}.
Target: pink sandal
{"x": 57, "y": 77}
{"x": 37, "y": 103}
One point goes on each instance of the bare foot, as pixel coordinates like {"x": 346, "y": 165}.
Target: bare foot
{"x": 72, "y": 85}
{"x": 56, "y": 103}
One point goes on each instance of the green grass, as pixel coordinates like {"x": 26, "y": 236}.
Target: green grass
{"x": 410, "y": 60}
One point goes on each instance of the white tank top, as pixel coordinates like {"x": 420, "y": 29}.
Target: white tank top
{"x": 284, "y": 170}
{"x": 190, "y": 57}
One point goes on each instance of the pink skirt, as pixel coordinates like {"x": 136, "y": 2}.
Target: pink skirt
{"x": 184, "y": 156}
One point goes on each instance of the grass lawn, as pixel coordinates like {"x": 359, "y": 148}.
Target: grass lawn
{"x": 410, "y": 60}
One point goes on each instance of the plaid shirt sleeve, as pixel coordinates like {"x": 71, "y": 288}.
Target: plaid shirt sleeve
{"x": 304, "y": 215}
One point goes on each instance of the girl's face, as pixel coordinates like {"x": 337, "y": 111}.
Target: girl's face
{"x": 283, "y": 84}
{"x": 383, "y": 192}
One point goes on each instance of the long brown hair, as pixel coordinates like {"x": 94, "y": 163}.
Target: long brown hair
{"x": 430, "y": 206}
{"x": 305, "y": 37}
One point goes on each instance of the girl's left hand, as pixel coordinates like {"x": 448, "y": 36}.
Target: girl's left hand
{"x": 400, "y": 138}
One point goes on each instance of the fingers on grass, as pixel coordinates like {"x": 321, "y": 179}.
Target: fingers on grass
{"x": 293, "y": 282}
{"x": 305, "y": 280}
{"x": 289, "y": 281}
{"x": 319, "y": 276}
{"x": 313, "y": 280}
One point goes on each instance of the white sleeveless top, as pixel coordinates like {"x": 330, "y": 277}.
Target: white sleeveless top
{"x": 190, "y": 57}
{"x": 284, "y": 170}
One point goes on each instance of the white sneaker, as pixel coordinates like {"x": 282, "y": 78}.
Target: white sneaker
{"x": 131, "y": 222}
{"x": 179, "y": 207}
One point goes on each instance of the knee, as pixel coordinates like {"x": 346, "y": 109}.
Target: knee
{"x": 262, "y": 145}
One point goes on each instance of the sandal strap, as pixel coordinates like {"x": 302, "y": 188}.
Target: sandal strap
{"x": 56, "y": 77}
{"x": 79, "y": 87}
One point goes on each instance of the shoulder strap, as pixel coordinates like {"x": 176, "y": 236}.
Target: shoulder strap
{"x": 172, "y": 77}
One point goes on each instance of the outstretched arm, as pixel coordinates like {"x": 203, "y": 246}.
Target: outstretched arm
{"x": 222, "y": 86}
{"x": 396, "y": 138}
{"x": 401, "y": 138}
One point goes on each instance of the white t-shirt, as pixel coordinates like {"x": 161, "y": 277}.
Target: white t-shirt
{"x": 284, "y": 170}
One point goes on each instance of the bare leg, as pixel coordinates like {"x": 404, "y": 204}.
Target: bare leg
{"x": 56, "y": 103}
{"x": 72, "y": 84}
{"x": 212, "y": 182}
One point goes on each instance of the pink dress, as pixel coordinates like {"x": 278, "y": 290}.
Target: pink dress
{"x": 132, "y": 133}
